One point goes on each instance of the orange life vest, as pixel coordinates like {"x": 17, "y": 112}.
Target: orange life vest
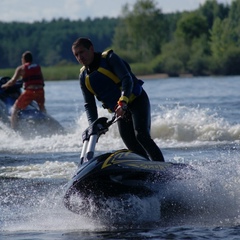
{"x": 32, "y": 75}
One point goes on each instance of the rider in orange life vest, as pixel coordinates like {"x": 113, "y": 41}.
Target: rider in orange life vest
{"x": 33, "y": 84}
{"x": 109, "y": 78}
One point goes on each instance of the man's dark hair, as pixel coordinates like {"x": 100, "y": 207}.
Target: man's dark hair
{"x": 27, "y": 56}
{"x": 85, "y": 42}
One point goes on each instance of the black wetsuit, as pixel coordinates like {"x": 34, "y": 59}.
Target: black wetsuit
{"x": 135, "y": 126}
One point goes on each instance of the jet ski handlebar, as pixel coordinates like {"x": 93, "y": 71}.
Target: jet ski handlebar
{"x": 91, "y": 135}
{"x": 98, "y": 127}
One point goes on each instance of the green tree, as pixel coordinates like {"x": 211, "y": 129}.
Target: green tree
{"x": 191, "y": 25}
{"x": 225, "y": 42}
{"x": 141, "y": 31}
{"x": 220, "y": 38}
{"x": 188, "y": 52}
{"x": 174, "y": 57}
{"x": 199, "y": 58}
{"x": 211, "y": 10}
{"x": 203, "y": 41}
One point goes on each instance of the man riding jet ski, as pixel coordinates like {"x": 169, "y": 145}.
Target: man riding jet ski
{"x": 31, "y": 121}
{"x": 117, "y": 173}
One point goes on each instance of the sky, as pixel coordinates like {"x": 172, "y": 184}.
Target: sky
{"x": 38, "y": 10}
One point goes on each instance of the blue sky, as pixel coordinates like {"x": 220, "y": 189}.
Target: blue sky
{"x": 38, "y": 10}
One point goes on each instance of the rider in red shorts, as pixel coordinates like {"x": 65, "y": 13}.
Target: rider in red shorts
{"x": 33, "y": 84}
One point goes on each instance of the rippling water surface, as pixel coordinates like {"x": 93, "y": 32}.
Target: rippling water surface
{"x": 194, "y": 121}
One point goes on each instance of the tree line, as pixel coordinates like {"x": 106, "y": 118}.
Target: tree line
{"x": 205, "y": 41}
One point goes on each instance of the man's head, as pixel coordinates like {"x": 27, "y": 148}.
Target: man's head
{"x": 27, "y": 57}
{"x": 83, "y": 51}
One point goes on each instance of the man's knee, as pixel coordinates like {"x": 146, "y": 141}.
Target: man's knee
{"x": 142, "y": 136}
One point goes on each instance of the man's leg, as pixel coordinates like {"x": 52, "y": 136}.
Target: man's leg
{"x": 39, "y": 97}
{"x": 141, "y": 117}
{"x": 21, "y": 103}
{"x": 14, "y": 117}
{"x": 126, "y": 130}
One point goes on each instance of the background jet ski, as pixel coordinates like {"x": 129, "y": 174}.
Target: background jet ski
{"x": 31, "y": 121}
{"x": 115, "y": 174}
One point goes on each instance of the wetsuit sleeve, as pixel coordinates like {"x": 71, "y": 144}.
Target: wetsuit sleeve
{"x": 89, "y": 102}
{"x": 122, "y": 72}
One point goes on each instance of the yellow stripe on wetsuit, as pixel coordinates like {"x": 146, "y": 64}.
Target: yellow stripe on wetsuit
{"x": 104, "y": 72}
{"x": 111, "y": 76}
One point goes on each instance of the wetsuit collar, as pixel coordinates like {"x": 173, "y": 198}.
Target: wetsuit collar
{"x": 95, "y": 63}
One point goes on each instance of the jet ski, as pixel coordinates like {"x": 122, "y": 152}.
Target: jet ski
{"x": 115, "y": 174}
{"x": 31, "y": 121}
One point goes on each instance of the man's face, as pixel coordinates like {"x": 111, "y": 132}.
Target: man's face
{"x": 83, "y": 55}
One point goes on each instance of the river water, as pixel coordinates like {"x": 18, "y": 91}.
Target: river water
{"x": 194, "y": 121}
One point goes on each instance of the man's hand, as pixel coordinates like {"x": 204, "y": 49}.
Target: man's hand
{"x": 18, "y": 72}
{"x": 121, "y": 109}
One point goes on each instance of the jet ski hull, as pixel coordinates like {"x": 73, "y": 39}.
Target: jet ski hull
{"x": 113, "y": 175}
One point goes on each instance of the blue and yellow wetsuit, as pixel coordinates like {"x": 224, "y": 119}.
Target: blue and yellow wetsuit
{"x": 108, "y": 78}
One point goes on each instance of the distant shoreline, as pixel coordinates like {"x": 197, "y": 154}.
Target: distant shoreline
{"x": 161, "y": 76}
